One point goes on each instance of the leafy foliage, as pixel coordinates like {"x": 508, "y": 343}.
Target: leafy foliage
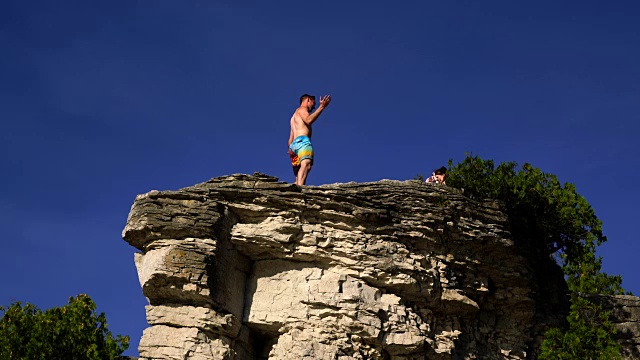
{"x": 549, "y": 219}
{"x": 588, "y": 336}
{"x": 543, "y": 214}
{"x": 73, "y": 331}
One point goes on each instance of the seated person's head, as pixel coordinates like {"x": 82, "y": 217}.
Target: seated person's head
{"x": 440, "y": 174}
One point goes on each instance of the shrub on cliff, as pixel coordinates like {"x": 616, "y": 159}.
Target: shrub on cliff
{"x": 546, "y": 217}
{"x": 549, "y": 219}
{"x": 73, "y": 331}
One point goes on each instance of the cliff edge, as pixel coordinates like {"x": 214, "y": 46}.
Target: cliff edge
{"x": 247, "y": 267}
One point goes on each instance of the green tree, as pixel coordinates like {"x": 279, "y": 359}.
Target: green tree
{"x": 550, "y": 219}
{"x": 588, "y": 335}
{"x": 73, "y": 331}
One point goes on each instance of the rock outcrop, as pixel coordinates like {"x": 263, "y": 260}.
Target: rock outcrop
{"x": 625, "y": 315}
{"x": 246, "y": 267}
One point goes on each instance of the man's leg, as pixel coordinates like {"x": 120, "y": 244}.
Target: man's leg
{"x": 305, "y": 167}
{"x": 296, "y": 170}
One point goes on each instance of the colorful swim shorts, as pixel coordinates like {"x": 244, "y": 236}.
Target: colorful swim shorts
{"x": 300, "y": 149}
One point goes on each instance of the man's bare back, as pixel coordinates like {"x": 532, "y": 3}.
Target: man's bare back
{"x": 301, "y": 152}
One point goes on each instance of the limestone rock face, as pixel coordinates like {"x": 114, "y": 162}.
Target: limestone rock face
{"x": 246, "y": 267}
{"x": 625, "y": 315}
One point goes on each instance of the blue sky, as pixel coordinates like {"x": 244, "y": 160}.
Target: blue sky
{"x": 103, "y": 101}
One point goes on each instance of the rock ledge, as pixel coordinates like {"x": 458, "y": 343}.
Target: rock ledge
{"x": 247, "y": 267}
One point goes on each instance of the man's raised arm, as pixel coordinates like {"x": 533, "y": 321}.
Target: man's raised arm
{"x": 310, "y": 118}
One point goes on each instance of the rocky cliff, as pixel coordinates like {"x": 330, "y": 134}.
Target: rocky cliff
{"x": 246, "y": 267}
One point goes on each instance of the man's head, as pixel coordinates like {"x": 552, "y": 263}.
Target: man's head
{"x": 308, "y": 101}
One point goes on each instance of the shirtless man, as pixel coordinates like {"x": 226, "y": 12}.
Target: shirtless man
{"x": 300, "y": 149}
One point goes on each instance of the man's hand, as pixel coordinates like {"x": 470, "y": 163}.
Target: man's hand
{"x": 324, "y": 101}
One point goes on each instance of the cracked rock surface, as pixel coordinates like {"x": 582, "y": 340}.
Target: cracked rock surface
{"x": 247, "y": 267}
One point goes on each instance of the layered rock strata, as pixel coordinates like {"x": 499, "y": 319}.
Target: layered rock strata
{"x": 246, "y": 267}
{"x": 625, "y": 315}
